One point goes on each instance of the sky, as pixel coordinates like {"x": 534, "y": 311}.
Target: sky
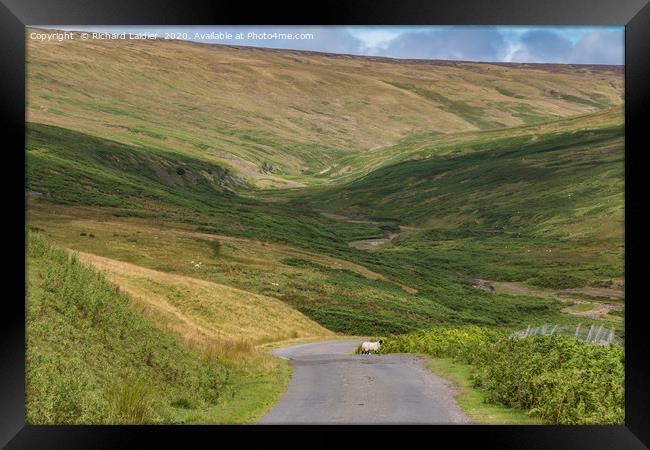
{"x": 539, "y": 44}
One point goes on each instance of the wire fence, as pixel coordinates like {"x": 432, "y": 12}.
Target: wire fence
{"x": 598, "y": 335}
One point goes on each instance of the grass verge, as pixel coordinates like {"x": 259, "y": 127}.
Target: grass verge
{"x": 472, "y": 401}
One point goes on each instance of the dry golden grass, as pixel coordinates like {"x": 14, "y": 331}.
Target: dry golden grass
{"x": 218, "y": 318}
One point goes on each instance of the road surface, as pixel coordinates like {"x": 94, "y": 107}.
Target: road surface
{"x": 331, "y": 386}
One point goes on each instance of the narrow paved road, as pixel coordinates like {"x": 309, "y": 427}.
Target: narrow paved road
{"x": 331, "y": 386}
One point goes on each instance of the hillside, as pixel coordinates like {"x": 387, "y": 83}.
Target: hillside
{"x": 219, "y": 199}
{"x": 288, "y": 118}
{"x": 94, "y": 354}
{"x": 551, "y": 180}
{"x": 200, "y": 310}
{"x": 417, "y": 202}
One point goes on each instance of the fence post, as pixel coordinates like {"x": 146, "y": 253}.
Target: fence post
{"x": 610, "y": 339}
{"x": 527, "y": 331}
{"x": 591, "y": 330}
{"x": 553, "y": 330}
{"x": 600, "y": 331}
{"x": 543, "y": 329}
{"x": 577, "y": 331}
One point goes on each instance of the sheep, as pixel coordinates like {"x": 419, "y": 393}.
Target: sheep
{"x": 368, "y": 347}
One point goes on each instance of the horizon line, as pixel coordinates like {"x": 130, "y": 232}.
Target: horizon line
{"x": 332, "y": 53}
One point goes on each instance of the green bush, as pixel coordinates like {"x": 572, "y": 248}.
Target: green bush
{"x": 557, "y": 378}
{"x": 184, "y": 403}
{"x": 215, "y": 245}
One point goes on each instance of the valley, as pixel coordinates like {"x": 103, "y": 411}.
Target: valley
{"x": 242, "y": 197}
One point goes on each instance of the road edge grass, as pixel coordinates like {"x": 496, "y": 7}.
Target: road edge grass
{"x": 261, "y": 394}
{"x": 472, "y": 401}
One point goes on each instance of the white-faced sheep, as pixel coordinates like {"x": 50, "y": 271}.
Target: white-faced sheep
{"x": 368, "y": 347}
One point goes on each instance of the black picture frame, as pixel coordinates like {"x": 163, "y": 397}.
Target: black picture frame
{"x": 16, "y": 14}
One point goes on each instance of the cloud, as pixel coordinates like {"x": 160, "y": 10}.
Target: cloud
{"x": 600, "y": 47}
{"x": 326, "y": 39}
{"x": 577, "y": 45}
{"x": 542, "y": 46}
{"x": 595, "y": 47}
{"x": 338, "y": 39}
{"x": 376, "y": 41}
{"x": 459, "y": 43}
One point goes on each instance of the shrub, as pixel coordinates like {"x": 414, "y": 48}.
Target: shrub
{"x": 215, "y": 245}
{"x": 212, "y": 382}
{"x": 129, "y": 402}
{"x": 183, "y": 403}
{"x": 557, "y": 378}
{"x": 467, "y": 344}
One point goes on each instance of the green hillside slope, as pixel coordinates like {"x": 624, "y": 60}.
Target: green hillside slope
{"x": 515, "y": 183}
{"x": 512, "y": 209}
{"x": 93, "y": 358}
{"x": 285, "y": 117}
